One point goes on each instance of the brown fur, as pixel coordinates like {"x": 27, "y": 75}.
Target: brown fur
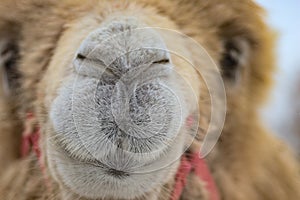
{"x": 247, "y": 163}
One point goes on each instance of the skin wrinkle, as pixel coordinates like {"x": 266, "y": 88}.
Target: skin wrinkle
{"x": 242, "y": 162}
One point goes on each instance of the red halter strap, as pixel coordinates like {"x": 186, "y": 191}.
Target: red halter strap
{"x": 30, "y": 137}
{"x": 30, "y": 142}
{"x": 193, "y": 163}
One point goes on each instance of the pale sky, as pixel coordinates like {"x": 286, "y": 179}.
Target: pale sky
{"x": 284, "y": 17}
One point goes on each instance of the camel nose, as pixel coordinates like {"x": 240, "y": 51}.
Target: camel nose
{"x": 133, "y": 107}
{"x": 119, "y": 47}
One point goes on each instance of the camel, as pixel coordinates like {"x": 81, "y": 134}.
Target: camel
{"x": 111, "y": 100}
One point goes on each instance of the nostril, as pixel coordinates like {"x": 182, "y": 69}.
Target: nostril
{"x": 163, "y": 61}
{"x": 80, "y": 56}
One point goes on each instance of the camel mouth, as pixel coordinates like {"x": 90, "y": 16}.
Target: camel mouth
{"x": 106, "y": 152}
{"x": 117, "y": 173}
{"x": 96, "y": 179}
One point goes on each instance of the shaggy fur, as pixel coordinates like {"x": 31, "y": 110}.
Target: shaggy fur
{"x": 247, "y": 163}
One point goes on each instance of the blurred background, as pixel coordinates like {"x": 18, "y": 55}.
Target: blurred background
{"x": 282, "y": 114}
